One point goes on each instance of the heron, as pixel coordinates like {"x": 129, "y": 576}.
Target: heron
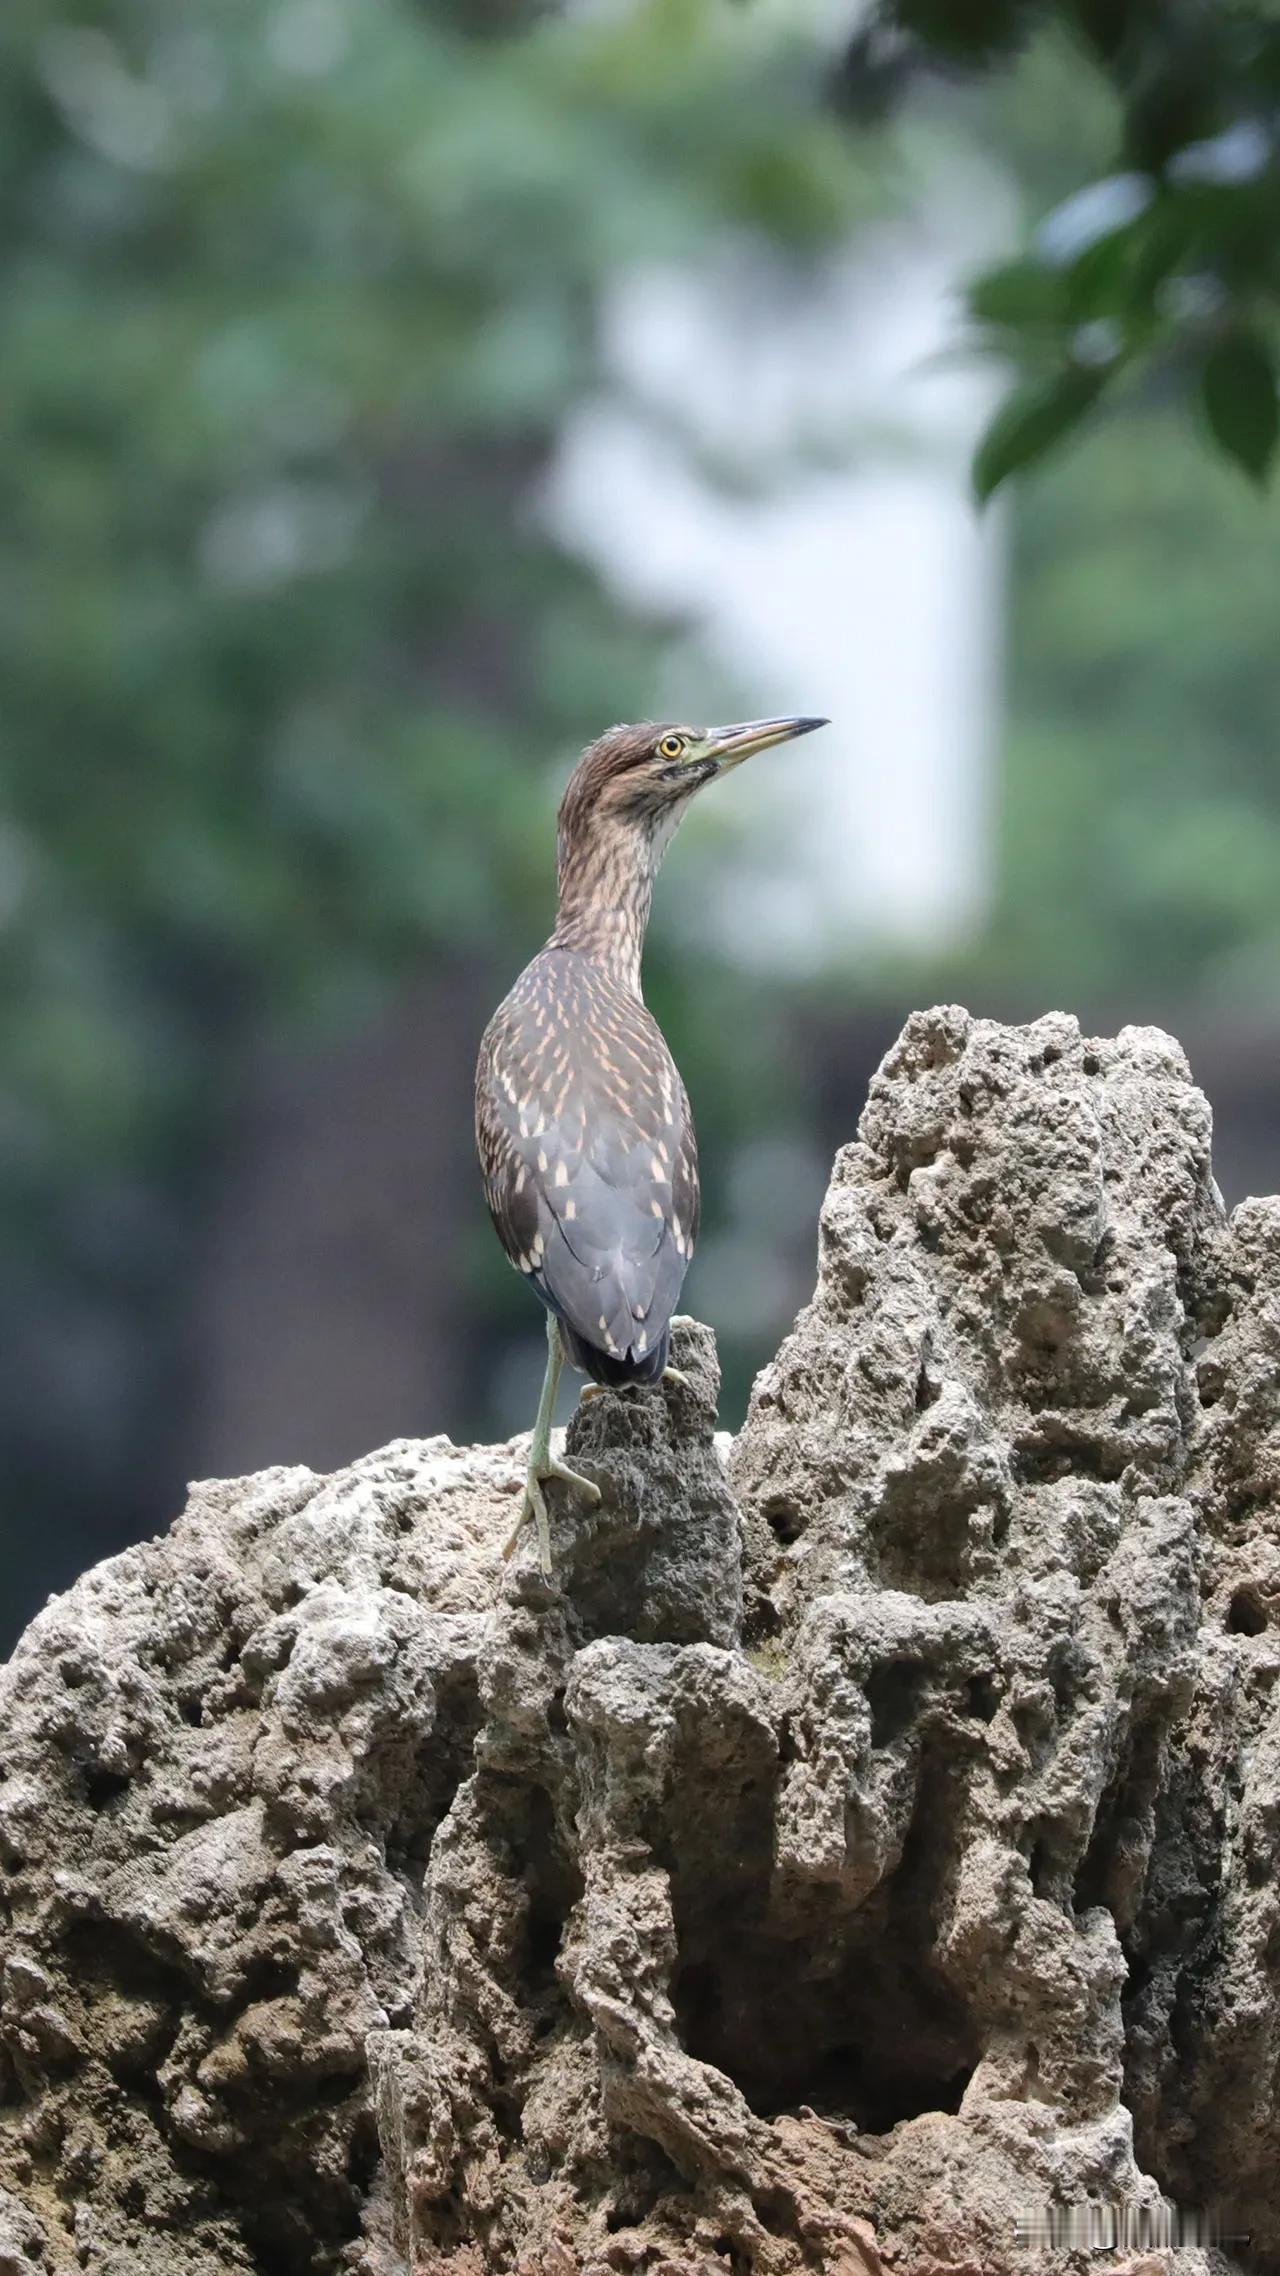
{"x": 583, "y": 1128}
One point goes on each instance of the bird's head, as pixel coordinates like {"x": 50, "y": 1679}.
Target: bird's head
{"x": 636, "y": 782}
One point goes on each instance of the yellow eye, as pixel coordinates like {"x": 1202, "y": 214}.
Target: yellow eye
{"x": 671, "y": 747}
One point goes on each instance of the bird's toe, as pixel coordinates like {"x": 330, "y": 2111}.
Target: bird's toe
{"x": 587, "y": 1487}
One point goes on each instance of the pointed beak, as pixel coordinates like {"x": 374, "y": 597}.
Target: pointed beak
{"x": 729, "y": 746}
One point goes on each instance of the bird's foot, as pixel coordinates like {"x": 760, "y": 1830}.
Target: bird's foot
{"x": 674, "y": 1375}
{"x": 586, "y": 1486}
{"x": 591, "y": 1391}
{"x": 534, "y": 1504}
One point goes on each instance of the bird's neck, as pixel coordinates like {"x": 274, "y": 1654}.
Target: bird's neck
{"x": 606, "y": 892}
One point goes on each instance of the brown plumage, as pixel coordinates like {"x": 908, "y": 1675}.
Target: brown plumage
{"x": 583, "y": 1127}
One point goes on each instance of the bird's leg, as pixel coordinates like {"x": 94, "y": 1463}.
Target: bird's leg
{"x": 542, "y": 1462}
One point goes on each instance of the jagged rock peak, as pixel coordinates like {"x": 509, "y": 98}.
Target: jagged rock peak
{"x": 843, "y": 1858}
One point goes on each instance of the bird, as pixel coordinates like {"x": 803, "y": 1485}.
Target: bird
{"x": 586, "y": 1142}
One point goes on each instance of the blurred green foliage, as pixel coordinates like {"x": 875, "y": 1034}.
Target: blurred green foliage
{"x": 1139, "y": 819}
{"x": 1165, "y": 266}
{"x": 1138, "y": 825}
{"x": 294, "y": 296}
{"x": 1136, "y": 810}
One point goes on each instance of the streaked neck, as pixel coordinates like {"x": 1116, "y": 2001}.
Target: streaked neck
{"x": 606, "y": 893}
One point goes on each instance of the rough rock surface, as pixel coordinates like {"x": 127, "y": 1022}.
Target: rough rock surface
{"x": 840, "y": 1861}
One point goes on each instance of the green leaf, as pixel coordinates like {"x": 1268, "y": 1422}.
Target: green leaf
{"x": 1238, "y": 390}
{"x": 1018, "y": 294}
{"x": 1028, "y": 424}
{"x": 972, "y": 33}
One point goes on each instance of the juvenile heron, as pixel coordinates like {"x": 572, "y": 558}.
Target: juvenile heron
{"x": 583, "y": 1128}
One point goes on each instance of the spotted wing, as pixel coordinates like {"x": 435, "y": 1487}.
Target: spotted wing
{"x": 589, "y": 1155}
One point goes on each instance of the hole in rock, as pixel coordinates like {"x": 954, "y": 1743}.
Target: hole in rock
{"x": 926, "y": 1389}
{"x": 268, "y": 1979}
{"x": 554, "y": 1886}
{"x": 1048, "y": 1874}
{"x": 295, "y": 2188}
{"x": 1210, "y": 1382}
{"x": 983, "y": 1697}
{"x": 1065, "y": 1671}
{"x": 773, "y": 2209}
{"x": 278, "y": 2247}
{"x": 805, "y": 1999}
{"x": 761, "y": 1623}
{"x": 102, "y": 1787}
{"x": 1039, "y": 1461}
{"x": 736, "y": 2255}
{"x": 783, "y": 1518}
{"x": 328, "y": 2092}
{"x": 1034, "y": 1729}
{"x": 432, "y": 1779}
{"x": 643, "y": 2173}
{"x": 1246, "y": 1613}
{"x": 1104, "y": 1875}
{"x": 108, "y": 1952}
{"x": 893, "y": 1695}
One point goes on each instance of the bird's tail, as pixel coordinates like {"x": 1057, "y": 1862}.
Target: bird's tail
{"x": 615, "y": 1373}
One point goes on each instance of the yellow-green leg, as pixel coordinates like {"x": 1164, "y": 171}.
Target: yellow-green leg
{"x": 542, "y": 1463}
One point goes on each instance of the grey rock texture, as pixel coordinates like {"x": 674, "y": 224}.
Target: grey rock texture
{"x": 842, "y": 1859}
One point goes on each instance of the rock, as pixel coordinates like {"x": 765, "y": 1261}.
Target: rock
{"x": 861, "y": 1860}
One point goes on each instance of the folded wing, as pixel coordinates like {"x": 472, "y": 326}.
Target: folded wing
{"x": 590, "y": 1160}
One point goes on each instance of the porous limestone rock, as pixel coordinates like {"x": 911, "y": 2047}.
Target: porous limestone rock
{"x": 841, "y": 1861}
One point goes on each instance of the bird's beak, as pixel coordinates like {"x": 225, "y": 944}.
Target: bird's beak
{"x": 729, "y": 746}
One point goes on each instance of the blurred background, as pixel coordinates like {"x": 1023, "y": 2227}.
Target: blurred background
{"x": 393, "y": 394}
